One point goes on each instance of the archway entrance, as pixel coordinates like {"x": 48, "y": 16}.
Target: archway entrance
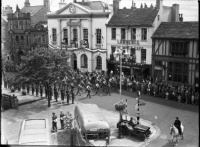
{"x": 19, "y": 54}
{"x": 74, "y": 60}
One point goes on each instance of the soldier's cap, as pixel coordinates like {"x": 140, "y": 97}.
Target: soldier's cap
{"x": 176, "y": 117}
{"x": 53, "y": 112}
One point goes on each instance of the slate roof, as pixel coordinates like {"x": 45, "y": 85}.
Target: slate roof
{"x": 32, "y": 9}
{"x": 133, "y": 17}
{"x": 92, "y": 5}
{"x": 179, "y": 30}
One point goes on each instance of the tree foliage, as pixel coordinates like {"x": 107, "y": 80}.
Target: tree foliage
{"x": 42, "y": 65}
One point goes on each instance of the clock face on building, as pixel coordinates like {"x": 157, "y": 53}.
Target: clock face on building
{"x": 72, "y": 9}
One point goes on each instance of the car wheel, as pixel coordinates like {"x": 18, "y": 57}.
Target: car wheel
{"x": 141, "y": 136}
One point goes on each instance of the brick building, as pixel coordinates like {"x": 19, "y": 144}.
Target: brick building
{"x": 27, "y": 29}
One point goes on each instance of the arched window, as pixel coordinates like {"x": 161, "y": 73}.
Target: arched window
{"x": 84, "y": 61}
{"x": 99, "y": 62}
{"x": 17, "y": 38}
{"x": 22, "y": 40}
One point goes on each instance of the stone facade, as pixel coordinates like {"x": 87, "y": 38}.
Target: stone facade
{"x": 77, "y": 28}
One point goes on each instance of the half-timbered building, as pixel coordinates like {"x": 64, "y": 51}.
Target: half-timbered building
{"x": 175, "y": 52}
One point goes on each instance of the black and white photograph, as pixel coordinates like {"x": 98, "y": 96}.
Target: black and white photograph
{"x": 100, "y": 73}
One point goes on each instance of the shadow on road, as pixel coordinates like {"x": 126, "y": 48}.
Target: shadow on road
{"x": 169, "y": 144}
{"x": 158, "y": 100}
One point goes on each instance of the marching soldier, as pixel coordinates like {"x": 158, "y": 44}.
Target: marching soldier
{"x": 62, "y": 94}
{"x": 67, "y": 94}
{"x": 33, "y": 89}
{"x": 88, "y": 90}
{"x": 41, "y": 90}
{"x": 28, "y": 88}
{"x": 97, "y": 87}
{"x": 108, "y": 88}
{"x": 55, "y": 94}
{"x": 73, "y": 96}
{"x": 37, "y": 90}
{"x": 79, "y": 87}
{"x": 50, "y": 92}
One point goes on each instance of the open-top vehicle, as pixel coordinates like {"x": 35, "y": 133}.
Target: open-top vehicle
{"x": 140, "y": 131}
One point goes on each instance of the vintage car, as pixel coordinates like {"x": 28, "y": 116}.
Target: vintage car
{"x": 140, "y": 131}
{"x": 35, "y": 132}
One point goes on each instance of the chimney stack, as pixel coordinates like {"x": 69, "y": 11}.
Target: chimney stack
{"x": 116, "y": 5}
{"x": 26, "y": 3}
{"x": 62, "y": 4}
{"x": 7, "y": 10}
{"x": 181, "y": 17}
{"x": 159, "y": 4}
{"x": 133, "y": 5}
{"x": 47, "y": 4}
{"x": 175, "y": 13}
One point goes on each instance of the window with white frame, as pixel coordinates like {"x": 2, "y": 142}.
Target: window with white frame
{"x": 84, "y": 61}
{"x": 65, "y": 35}
{"x": 54, "y": 36}
{"x": 113, "y": 34}
{"x": 99, "y": 62}
{"x": 143, "y": 55}
{"x": 75, "y": 35}
{"x": 144, "y": 34}
{"x": 43, "y": 39}
{"x": 98, "y": 36}
{"x": 123, "y": 33}
{"x": 85, "y": 35}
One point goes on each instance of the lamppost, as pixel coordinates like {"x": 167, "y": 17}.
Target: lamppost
{"x": 138, "y": 104}
{"x": 120, "y": 53}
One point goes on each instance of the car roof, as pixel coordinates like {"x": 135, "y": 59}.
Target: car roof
{"x": 34, "y": 132}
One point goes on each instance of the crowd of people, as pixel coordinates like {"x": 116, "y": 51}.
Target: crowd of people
{"x": 81, "y": 82}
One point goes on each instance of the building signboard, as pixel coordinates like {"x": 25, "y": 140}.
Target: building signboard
{"x": 73, "y": 24}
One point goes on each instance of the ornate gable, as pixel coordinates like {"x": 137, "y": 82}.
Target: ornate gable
{"x": 73, "y": 8}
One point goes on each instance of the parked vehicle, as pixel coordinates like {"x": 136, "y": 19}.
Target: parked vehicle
{"x": 35, "y": 132}
{"x": 140, "y": 131}
{"x": 90, "y": 125}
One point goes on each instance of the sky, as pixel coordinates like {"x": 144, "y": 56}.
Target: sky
{"x": 189, "y": 8}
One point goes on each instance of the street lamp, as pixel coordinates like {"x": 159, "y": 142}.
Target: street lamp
{"x": 120, "y": 53}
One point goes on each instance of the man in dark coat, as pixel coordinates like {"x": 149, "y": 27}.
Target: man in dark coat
{"x": 41, "y": 90}
{"x": 54, "y": 122}
{"x": 88, "y": 90}
{"x": 33, "y": 89}
{"x": 177, "y": 124}
{"x": 37, "y": 90}
{"x": 62, "y": 94}
{"x": 55, "y": 94}
{"x": 68, "y": 95}
{"x": 27, "y": 88}
{"x": 61, "y": 119}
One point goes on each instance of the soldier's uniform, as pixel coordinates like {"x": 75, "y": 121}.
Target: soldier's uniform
{"x": 37, "y": 90}
{"x": 28, "y": 88}
{"x": 68, "y": 95}
{"x": 62, "y": 120}
{"x": 50, "y": 92}
{"x": 97, "y": 87}
{"x": 33, "y": 89}
{"x": 41, "y": 90}
{"x": 108, "y": 88}
{"x": 88, "y": 90}
{"x": 54, "y": 122}
{"x": 62, "y": 94}
{"x": 55, "y": 94}
{"x": 73, "y": 96}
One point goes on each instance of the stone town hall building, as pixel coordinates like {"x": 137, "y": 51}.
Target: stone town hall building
{"x": 81, "y": 27}
{"x": 27, "y": 28}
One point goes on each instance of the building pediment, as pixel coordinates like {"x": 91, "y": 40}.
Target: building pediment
{"x": 73, "y": 8}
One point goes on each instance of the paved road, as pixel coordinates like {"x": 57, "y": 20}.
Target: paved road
{"x": 160, "y": 111}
